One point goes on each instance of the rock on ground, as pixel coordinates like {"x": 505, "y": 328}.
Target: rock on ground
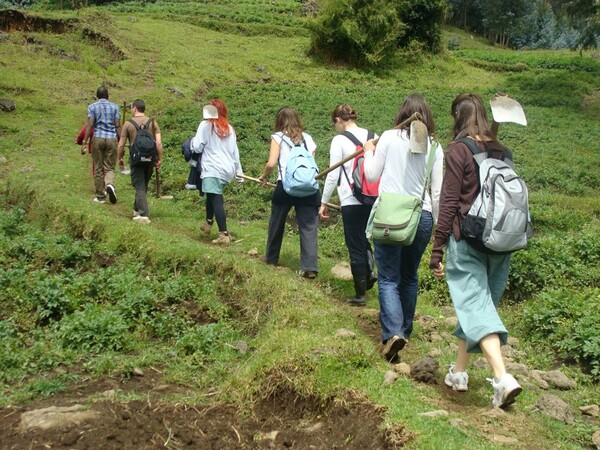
{"x": 56, "y": 417}
{"x": 556, "y": 408}
{"x": 425, "y": 370}
{"x": 342, "y": 271}
{"x": 559, "y": 380}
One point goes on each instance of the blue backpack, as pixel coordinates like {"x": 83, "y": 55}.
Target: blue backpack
{"x": 299, "y": 178}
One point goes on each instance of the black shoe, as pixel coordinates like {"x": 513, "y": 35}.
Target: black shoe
{"x": 371, "y": 281}
{"x": 112, "y": 194}
{"x": 392, "y": 346}
{"x": 357, "y": 301}
{"x": 310, "y": 274}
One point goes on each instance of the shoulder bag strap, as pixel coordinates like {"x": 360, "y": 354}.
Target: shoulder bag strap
{"x": 429, "y": 165}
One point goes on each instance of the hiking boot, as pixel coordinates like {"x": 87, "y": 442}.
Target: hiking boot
{"x": 99, "y": 200}
{"x": 310, "y": 274}
{"x": 357, "y": 301}
{"x": 371, "y": 281}
{"x": 392, "y": 346}
{"x": 142, "y": 219}
{"x": 112, "y": 194}
{"x": 457, "y": 380}
{"x": 206, "y": 227}
{"x": 222, "y": 239}
{"x": 505, "y": 390}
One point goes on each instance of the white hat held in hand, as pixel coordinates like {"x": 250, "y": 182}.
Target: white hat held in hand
{"x": 210, "y": 112}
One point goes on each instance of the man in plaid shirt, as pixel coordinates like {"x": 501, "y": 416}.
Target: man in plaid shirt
{"x": 104, "y": 117}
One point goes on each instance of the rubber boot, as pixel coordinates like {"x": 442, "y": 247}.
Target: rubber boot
{"x": 372, "y": 278}
{"x": 360, "y": 288}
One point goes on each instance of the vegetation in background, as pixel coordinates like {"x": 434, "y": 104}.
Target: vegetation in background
{"x": 525, "y": 24}
{"x": 369, "y": 33}
{"x": 192, "y": 302}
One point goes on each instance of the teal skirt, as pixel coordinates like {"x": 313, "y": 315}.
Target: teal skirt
{"x": 212, "y": 185}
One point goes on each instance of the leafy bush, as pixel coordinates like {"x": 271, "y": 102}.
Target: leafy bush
{"x": 554, "y": 261}
{"x": 567, "y": 321}
{"x": 95, "y": 329}
{"x": 424, "y": 20}
{"x": 357, "y": 31}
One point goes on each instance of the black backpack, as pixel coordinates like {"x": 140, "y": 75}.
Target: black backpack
{"x": 143, "y": 148}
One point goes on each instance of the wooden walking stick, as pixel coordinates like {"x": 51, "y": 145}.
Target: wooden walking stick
{"x": 271, "y": 185}
{"x": 415, "y": 116}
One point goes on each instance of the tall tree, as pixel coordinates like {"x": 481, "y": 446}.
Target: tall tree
{"x": 585, "y": 15}
{"x": 501, "y": 17}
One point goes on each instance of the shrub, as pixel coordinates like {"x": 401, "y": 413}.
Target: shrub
{"x": 359, "y": 32}
{"x": 424, "y": 20}
{"x": 567, "y": 321}
{"x": 95, "y": 329}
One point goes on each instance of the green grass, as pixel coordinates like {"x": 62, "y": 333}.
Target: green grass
{"x": 194, "y": 300}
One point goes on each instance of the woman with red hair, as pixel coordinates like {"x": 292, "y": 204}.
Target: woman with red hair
{"x": 217, "y": 142}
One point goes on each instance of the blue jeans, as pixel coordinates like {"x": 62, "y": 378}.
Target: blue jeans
{"x": 398, "y": 281}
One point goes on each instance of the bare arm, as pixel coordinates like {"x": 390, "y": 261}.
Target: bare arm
{"x": 272, "y": 162}
{"x": 121, "y": 146}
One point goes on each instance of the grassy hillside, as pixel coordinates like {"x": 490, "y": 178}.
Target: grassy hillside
{"x": 87, "y": 294}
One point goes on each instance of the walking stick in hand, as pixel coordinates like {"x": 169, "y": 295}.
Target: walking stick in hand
{"x": 271, "y": 185}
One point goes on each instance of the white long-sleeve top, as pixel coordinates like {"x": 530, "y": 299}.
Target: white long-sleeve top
{"x": 342, "y": 147}
{"x": 221, "y": 157}
{"x": 403, "y": 172}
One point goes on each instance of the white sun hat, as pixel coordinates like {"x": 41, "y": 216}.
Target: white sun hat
{"x": 210, "y": 112}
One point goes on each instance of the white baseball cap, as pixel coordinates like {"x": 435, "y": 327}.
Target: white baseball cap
{"x": 210, "y": 112}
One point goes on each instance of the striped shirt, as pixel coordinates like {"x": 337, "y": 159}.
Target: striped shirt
{"x": 104, "y": 115}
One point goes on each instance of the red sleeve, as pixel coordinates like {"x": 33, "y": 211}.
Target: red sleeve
{"x": 80, "y": 136}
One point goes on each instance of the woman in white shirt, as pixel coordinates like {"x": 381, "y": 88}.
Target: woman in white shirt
{"x": 288, "y": 123}
{"x": 354, "y": 213}
{"x": 403, "y": 172}
{"x": 217, "y": 142}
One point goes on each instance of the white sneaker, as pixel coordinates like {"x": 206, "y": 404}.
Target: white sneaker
{"x": 505, "y": 390}
{"x": 458, "y": 381}
{"x": 112, "y": 193}
{"x": 135, "y": 214}
{"x": 97, "y": 200}
{"x": 142, "y": 219}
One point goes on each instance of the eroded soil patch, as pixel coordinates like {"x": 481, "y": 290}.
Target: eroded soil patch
{"x": 282, "y": 420}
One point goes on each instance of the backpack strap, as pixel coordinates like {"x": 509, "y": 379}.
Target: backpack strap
{"x": 355, "y": 141}
{"x": 479, "y": 155}
{"x": 429, "y": 167}
{"x": 134, "y": 123}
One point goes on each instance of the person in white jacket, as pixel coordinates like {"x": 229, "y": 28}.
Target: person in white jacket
{"x": 403, "y": 172}
{"x": 217, "y": 142}
{"x": 355, "y": 214}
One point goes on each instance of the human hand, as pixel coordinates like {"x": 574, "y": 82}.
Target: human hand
{"x": 263, "y": 180}
{"x": 158, "y": 164}
{"x": 438, "y": 272}
{"x": 84, "y": 148}
{"x": 323, "y": 212}
{"x": 369, "y": 146}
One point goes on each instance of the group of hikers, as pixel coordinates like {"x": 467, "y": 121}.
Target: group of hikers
{"x": 476, "y": 276}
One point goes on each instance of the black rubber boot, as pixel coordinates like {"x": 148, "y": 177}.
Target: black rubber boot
{"x": 360, "y": 288}
{"x": 372, "y": 278}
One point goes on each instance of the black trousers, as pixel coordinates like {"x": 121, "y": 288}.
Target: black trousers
{"x": 140, "y": 177}
{"x": 355, "y": 218}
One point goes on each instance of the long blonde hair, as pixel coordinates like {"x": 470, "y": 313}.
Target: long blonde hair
{"x": 289, "y": 123}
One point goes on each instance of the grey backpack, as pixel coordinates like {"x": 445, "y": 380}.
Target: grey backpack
{"x": 499, "y": 218}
